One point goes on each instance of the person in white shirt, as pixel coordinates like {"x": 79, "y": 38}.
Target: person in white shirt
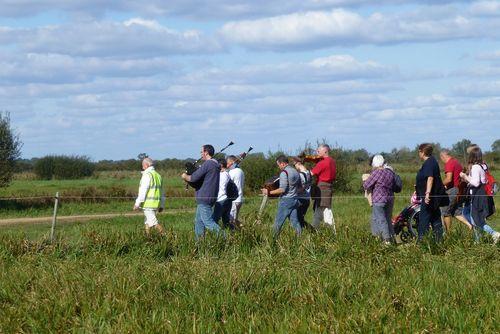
{"x": 479, "y": 208}
{"x": 238, "y": 177}
{"x": 151, "y": 197}
{"x": 222, "y": 207}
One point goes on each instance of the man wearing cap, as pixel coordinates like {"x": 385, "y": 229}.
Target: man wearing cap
{"x": 151, "y": 197}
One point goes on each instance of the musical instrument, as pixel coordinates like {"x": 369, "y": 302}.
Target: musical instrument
{"x": 309, "y": 157}
{"x": 191, "y": 167}
{"x": 244, "y": 154}
{"x": 272, "y": 183}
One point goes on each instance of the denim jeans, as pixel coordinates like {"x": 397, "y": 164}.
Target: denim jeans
{"x": 222, "y": 210}
{"x": 287, "y": 208}
{"x": 204, "y": 220}
{"x": 430, "y": 217}
{"x": 382, "y": 221}
{"x": 486, "y": 228}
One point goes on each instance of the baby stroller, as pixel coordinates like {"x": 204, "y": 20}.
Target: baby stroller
{"x": 405, "y": 224}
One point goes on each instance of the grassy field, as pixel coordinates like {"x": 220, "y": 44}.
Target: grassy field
{"x": 105, "y": 276}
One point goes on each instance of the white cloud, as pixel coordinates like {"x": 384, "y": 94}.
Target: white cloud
{"x": 134, "y": 37}
{"x": 320, "y": 29}
{"x": 57, "y": 68}
{"x": 325, "y": 69}
{"x": 485, "y": 8}
{"x": 197, "y": 9}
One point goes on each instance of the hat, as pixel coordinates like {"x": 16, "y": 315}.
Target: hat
{"x": 378, "y": 161}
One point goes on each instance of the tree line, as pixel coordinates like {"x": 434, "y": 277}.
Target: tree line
{"x": 258, "y": 166}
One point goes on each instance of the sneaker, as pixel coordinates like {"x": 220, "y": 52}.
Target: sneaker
{"x": 496, "y": 237}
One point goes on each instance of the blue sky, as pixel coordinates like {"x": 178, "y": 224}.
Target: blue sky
{"x": 113, "y": 79}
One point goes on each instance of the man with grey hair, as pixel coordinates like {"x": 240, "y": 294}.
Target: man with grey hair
{"x": 325, "y": 172}
{"x": 451, "y": 181}
{"x": 151, "y": 197}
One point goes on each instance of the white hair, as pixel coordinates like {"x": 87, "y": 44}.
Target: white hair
{"x": 378, "y": 161}
{"x": 148, "y": 161}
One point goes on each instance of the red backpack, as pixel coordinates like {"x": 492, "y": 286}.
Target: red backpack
{"x": 491, "y": 186}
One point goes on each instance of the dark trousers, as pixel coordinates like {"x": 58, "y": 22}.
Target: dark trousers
{"x": 222, "y": 210}
{"x": 430, "y": 217}
{"x": 302, "y": 210}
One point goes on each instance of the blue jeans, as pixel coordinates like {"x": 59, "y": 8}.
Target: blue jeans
{"x": 468, "y": 215}
{"x": 204, "y": 220}
{"x": 287, "y": 208}
{"x": 223, "y": 210}
{"x": 382, "y": 221}
{"x": 429, "y": 216}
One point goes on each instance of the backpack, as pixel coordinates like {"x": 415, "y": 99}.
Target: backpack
{"x": 307, "y": 181}
{"x": 398, "y": 183}
{"x": 231, "y": 190}
{"x": 491, "y": 186}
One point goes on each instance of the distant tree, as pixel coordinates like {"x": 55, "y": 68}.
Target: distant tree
{"x": 495, "y": 147}
{"x": 459, "y": 149}
{"x": 10, "y": 149}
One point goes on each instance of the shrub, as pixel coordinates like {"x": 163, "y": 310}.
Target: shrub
{"x": 10, "y": 150}
{"x": 63, "y": 167}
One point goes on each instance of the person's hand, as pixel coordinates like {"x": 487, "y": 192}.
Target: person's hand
{"x": 160, "y": 210}
{"x": 427, "y": 199}
{"x": 136, "y": 208}
{"x": 462, "y": 175}
{"x": 184, "y": 176}
{"x": 265, "y": 192}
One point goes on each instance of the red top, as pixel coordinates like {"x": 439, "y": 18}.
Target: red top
{"x": 454, "y": 167}
{"x": 325, "y": 170}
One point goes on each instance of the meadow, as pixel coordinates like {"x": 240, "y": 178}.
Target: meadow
{"x": 106, "y": 276}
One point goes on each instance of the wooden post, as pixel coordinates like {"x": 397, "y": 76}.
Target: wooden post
{"x": 54, "y": 218}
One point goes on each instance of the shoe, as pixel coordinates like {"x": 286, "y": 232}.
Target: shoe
{"x": 496, "y": 237}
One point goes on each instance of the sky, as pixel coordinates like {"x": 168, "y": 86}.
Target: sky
{"x": 112, "y": 79}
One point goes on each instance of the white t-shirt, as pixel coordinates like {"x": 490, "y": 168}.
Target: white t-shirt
{"x": 238, "y": 178}
{"x": 477, "y": 176}
{"x": 224, "y": 179}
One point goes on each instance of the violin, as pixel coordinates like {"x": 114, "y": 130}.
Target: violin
{"x": 311, "y": 158}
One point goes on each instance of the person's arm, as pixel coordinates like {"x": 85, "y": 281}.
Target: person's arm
{"x": 370, "y": 182}
{"x": 448, "y": 180}
{"x": 428, "y": 188}
{"x": 282, "y": 187}
{"x": 199, "y": 173}
{"x": 475, "y": 176}
{"x": 143, "y": 190}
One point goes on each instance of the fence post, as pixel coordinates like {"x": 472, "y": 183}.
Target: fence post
{"x": 54, "y": 218}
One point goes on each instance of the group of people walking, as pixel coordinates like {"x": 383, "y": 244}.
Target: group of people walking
{"x": 462, "y": 194}
{"x": 220, "y": 184}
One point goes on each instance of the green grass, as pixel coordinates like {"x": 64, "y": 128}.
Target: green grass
{"x": 105, "y": 276}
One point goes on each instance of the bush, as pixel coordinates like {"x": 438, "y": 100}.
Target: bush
{"x": 258, "y": 168}
{"x": 10, "y": 150}
{"x": 63, "y": 167}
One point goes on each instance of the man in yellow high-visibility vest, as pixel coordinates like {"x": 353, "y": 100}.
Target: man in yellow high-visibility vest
{"x": 151, "y": 197}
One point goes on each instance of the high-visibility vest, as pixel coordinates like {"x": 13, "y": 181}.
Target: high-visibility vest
{"x": 153, "y": 196}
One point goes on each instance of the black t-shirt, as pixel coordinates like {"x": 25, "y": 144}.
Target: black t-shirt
{"x": 429, "y": 168}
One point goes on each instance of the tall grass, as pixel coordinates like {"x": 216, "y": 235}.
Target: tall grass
{"x": 105, "y": 276}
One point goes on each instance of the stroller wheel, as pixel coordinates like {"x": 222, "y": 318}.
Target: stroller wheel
{"x": 406, "y": 236}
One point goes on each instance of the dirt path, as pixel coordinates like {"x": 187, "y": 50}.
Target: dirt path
{"x": 79, "y": 218}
